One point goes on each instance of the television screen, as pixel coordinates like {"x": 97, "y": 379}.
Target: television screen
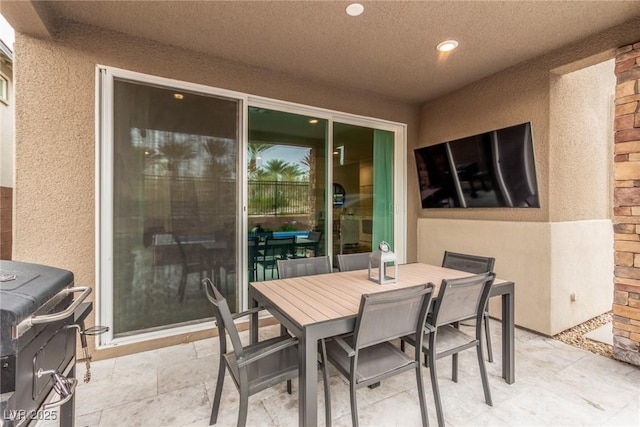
{"x": 492, "y": 169}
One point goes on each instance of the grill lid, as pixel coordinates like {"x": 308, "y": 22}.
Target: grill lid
{"x": 34, "y": 284}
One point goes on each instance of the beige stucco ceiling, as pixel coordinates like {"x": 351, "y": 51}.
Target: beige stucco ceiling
{"x": 389, "y": 49}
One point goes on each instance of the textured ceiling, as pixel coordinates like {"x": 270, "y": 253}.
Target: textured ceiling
{"x": 389, "y": 49}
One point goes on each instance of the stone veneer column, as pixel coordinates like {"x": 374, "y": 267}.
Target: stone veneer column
{"x": 626, "y": 215}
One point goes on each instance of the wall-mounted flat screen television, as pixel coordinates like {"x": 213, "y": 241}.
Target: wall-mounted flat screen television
{"x": 492, "y": 169}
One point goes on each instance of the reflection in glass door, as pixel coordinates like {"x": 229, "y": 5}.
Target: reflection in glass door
{"x": 363, "y": 160}
{"x": 286, "y": 169}
{"x": 175, "y": 204}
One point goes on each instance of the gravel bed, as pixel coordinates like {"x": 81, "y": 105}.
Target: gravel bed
{"x": 575, "y": 336}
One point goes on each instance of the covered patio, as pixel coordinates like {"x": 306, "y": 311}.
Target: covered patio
{"x": 571, "y": 72}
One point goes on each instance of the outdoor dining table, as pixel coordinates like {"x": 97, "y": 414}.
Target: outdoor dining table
{"x": 326, "y": 305}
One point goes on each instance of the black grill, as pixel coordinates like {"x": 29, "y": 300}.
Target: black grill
{"x": 39, "y": 319}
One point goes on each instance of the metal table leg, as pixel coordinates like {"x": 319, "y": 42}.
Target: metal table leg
{"x": 508, "y": 336}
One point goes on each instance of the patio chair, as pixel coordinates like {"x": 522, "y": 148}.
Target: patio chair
{"x": 350, "y": 262}
{"x": 366, "y": 357}
{"x": 476, "y": 265}
{"x": 253, "y": 367}
{"x": 297, "y": 267}
{"x": 458, "y": 299}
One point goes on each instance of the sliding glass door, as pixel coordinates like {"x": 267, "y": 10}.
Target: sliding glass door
{"x": 174, "y": 218}
{"x": 197, "y": 182}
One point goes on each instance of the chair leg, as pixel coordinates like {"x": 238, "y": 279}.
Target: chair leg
{"x": 485, "y": 378}
{"x": 325, "y": 378}
{"x": 436, "y": 389}
{"x": 244, "y": 406}
{"x": 423, "y": 403}
{"x": 183, "y": 285}
{"x": 289, "y": 389}
{"x": 402, "y": 345}
{"x": 454, "y": 367}
{"x": 488, "y": 336}
{"x": 354, "y": 403}
{"x": 218, "y": 396}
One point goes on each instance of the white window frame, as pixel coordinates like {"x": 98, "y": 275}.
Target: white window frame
{"x": 4, "y": 89}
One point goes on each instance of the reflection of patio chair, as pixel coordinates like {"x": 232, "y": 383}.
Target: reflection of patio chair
{"x": 273, "y": 250}
{"x": 193, "y": 261}
{"x": 185, "y": 226}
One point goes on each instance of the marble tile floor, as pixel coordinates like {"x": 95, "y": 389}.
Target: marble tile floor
{"x": 556, "y": 385}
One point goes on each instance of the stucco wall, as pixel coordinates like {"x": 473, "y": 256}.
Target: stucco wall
{"x": 540, "y": 258}
{"x": 581, "y": 264}
{"x": 522, "y": 251}
{"x": 55, "y": 133}
{"x": 581, "y": 143}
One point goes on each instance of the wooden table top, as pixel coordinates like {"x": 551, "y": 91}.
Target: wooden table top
{"x": 324, "y": 297}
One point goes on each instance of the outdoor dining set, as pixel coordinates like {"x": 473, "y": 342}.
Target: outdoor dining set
{"x": 367, "y": 331}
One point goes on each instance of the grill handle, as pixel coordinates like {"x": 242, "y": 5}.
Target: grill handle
{"x": 27, "y": 323}
{"x": 65, "y": 387}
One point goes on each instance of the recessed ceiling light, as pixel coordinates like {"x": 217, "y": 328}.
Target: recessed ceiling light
{"x": 313, "y": 121}
{"x": 178, "y": 96}
{"x": 447, "y": 45}
{"x": 355, "y": 9}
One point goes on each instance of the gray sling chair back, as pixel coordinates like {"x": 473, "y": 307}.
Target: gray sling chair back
{"x": 366, "y": 356}
{"x": 296, "y": 267}
{"x": 458, "y": 299}
{"x": 350, "y": 262}
{"x": 476, "y": 265}
{"x": 254, "y": 367}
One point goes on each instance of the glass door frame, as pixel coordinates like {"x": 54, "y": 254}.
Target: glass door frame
{"x": 104, "y": 155}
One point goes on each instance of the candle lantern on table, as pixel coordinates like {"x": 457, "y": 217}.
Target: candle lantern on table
{"x": 380, "y": 263}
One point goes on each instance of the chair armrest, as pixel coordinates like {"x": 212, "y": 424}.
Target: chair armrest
{"x": 346, "y": 347}
{"x": 246, "y": 312}
{"x": 266, "y": 351}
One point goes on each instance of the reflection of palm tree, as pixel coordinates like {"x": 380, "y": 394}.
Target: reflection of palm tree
{"x": 175, "y": 152}
{"x": 221, "y": 163}
{"x": 292, "y": 172}
{"x": 280, "y": 170}
{"x": 182, "y": 197}
{"x": 309, "y": 160}
{"x": 255, "y": 149}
